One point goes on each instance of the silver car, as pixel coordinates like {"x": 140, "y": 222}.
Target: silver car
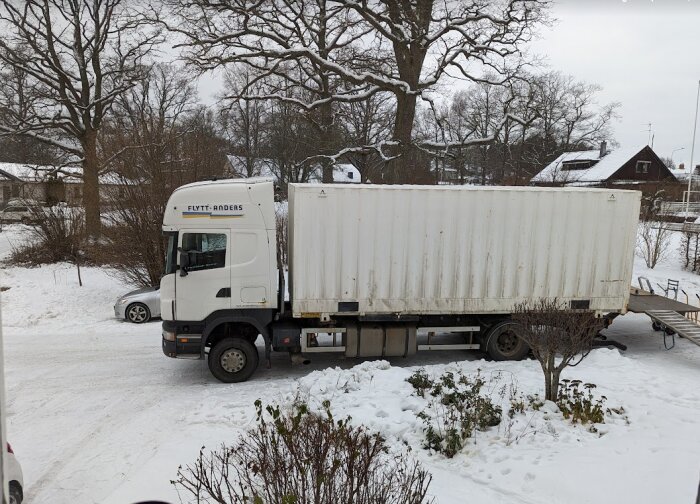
{"x": 139, "y": 306}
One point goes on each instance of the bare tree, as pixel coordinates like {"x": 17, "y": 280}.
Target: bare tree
{"x": 653, "y": 241}
{"x": 327, "y": 40}
{"x": 479, "y": 41}
{"x": 558, "y": 336}
{"x": 367, "y": 123}
{"x": 274, "y": 40}
{"x": 76, "y": 58}
{"x": 243, "y": 121}
{"x": 157, "y": 139}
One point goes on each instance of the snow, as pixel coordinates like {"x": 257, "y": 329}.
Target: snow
{"x": 26, "y": 172}
{"x": 97, "y": 414}
{"x": 69, "y": 174}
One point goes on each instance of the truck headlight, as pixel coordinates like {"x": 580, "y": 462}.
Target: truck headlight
{"x": 169, "y": 335}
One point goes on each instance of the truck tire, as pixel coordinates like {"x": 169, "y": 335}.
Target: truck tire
{"x": 503, "y": 343}
{"x": 233, "y": 360}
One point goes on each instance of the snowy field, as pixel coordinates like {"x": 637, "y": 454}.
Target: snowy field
{"x": 97, "y": 414}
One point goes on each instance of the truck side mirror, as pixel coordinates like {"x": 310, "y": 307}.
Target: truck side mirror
{"x": 184, "y": 262}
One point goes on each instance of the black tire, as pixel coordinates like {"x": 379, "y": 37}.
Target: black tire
{"x": 503, "y": 342}
{"x": 233, "y": 360}
{"x": 138, "y": 313}
{"x": 656, "y": 326}
{"x": 16, "y": 496}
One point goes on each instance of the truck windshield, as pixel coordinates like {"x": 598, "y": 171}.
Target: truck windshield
{"x": 171, "y": 252}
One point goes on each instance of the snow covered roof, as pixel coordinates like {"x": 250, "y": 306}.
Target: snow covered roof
{"x": 26, "y": 172}
{"x": 602, "y": 168}
{"x": 69, "y": 174}
{"x": 264, "y": 167}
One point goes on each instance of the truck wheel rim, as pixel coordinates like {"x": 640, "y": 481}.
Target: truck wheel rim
{"x": 233, "y": 360}
{"x": 507, "y": 342}
{"x": 137, "y": 314}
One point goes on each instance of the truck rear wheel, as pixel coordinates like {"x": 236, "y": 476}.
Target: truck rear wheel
{"x": 233, "y": 360}
{"x": 503, "y": 342}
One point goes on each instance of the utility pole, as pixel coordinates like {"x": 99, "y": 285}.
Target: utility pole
{"x": 692, "y": 154}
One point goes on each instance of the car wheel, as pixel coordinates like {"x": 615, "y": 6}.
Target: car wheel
{"x": 503, "y": 342}
{"x": 15, "y": 493}
{"x": 233, "y": 360}
{"x": 138, "y": 313}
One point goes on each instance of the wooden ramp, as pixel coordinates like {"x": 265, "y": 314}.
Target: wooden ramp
{"x": 642, "y": 301}
{"x": 678, "y": 323}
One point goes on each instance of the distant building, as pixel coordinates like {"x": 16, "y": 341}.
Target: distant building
{"x": 243, "y": 167}
{"x": 632, "y": 168}
{"x": 51, "y": 184}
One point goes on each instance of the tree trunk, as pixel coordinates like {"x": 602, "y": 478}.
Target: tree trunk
{"x": 551, "y": 379}
{"x": 556, "y": 374}
{"x": 397, "y": 169}
{"x": 326, "y": 140}
{"x": 548, "y": 385}
{"x": 91, "y": 189}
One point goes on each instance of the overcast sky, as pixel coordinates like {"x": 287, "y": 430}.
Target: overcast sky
{"x": 645, "y": 54}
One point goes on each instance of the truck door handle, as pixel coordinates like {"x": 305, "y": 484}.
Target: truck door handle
{"x": 224, "y": 292}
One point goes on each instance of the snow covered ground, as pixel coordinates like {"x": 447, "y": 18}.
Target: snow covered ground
{"x": 97, "y": 414}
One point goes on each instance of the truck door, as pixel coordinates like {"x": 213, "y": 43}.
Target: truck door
{"x": 206, "y": 287}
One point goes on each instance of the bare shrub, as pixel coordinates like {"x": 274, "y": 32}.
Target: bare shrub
{"x": 302, "y": 457}
{"x": 456, "y": 411}
{"x": 653, "y": 241}
{"x": 690, "y": 251}
{"x": 57, "y": 235}
{"x": 133, "y": 242}
{"x": 558, "y": 336}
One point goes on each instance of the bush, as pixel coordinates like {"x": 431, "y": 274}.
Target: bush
{"x": 580, "y": 405}
{"x": 301, "y": 457}
{"x": 653, "y": 241}
{"x": 456, "y": 412}
{"x": 58, "y": 235}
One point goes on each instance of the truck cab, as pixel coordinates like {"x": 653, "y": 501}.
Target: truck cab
{"x": 220, "y": 288}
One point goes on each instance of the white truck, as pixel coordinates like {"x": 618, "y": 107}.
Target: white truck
{"x": 377, "y": 270}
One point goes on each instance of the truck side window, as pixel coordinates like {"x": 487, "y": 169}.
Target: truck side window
{"x": 205, "y": 250}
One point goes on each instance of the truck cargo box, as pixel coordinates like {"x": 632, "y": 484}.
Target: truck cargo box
{"x": 371, "y": 249}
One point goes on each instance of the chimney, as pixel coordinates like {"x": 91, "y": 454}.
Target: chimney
{"x": 603, "y": 148}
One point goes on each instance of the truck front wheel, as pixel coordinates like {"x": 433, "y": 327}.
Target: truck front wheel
{"x": 503, "y": 342}
{"x": 233, "y": 360}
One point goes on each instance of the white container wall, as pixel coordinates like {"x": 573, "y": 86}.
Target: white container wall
{"x": 454, "y": 249}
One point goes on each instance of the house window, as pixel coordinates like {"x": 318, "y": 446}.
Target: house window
{"x": 577, "y": 165}
{"x": 643, "y": 167}
{"x": 350, "y": 174}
